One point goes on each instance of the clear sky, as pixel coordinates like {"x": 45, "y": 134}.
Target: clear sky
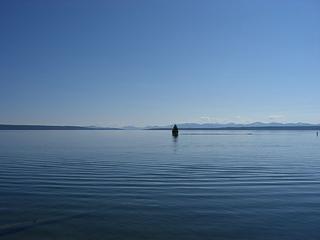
{"x": 114, "y": 63}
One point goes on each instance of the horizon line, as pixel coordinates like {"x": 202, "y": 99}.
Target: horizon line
{"x": 159, "y": 125}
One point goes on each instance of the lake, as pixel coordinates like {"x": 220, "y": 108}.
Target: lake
{"x": 149, "y": 185}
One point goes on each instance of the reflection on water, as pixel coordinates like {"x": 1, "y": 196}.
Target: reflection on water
{"x": 175, "y": 142}
{"x": 145, "y": 185}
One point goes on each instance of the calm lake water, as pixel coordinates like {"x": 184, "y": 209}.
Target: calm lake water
{"x": 147, "y": 185}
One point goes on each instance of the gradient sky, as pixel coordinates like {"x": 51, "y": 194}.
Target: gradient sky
{"x": 114, "y": 63}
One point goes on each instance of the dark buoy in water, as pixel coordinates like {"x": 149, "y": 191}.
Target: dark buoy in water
{"x": 317, "y": 133}
{"x": 175, "y": 131}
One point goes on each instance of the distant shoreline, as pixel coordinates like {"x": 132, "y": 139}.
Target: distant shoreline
{"x": 316, "y": 128}
{"x": 52, "y": 127}
{"x": 44, "y": 127}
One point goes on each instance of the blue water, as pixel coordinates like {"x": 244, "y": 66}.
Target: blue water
{"x": 148, "y": 185}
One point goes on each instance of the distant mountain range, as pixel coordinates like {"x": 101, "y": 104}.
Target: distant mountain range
{"x": 187, "y": 126}
{"x": 132, "y": 128}
{"x": 48, "y": 127}
{"x": 237, "y": 126}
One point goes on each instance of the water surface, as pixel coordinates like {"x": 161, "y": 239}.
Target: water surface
{"x": 148, "y": 185}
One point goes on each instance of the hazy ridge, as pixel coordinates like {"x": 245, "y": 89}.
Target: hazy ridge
{"x": 187, "y": 126}
{"x": 50, "y": 127}
{"x": 237, "y": 126}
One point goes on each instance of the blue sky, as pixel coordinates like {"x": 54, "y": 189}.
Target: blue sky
{"x": 114, "y": 63}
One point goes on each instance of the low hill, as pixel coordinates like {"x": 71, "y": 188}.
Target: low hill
{"x": 48, "y": 127}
